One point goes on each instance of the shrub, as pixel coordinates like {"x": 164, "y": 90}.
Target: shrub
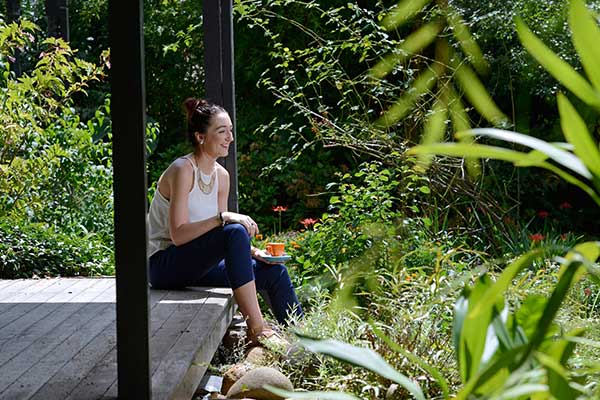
{"x": 38, "y": 250}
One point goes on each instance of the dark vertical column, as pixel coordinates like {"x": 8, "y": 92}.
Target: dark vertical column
{"x": 129, "y": 162}
{"x": 58, "y": 18}
{"x": 218, "y": 68}
{"x": 13, "y": 13}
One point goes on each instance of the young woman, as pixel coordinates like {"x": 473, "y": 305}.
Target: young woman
{"x": 195, "y": 241}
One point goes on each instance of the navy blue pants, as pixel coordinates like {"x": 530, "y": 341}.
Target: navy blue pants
{"x": 221, "y": 258}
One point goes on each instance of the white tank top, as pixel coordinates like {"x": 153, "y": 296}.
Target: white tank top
{"x": 201, "y": 206}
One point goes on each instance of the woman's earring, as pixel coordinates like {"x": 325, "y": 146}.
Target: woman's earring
{"x": 201, "y": 141}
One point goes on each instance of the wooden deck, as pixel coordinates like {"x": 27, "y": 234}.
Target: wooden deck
{"x": 58, "y": 338}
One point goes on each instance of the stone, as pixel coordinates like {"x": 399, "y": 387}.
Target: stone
{"x": 252, "y": 383}
{"x": 257, "y": 355}
{"x": 234, "y": 338}
{"x": 234, "y": 374}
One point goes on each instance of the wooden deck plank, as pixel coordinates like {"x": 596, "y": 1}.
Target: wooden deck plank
{"x": 188, "y": 358}
{"x": 18, "y": 302}
{"x": 26, "y": 302}
{"x": 103, "y": 376}
{"x": 30, "y": 371}
{"x": 73, "y": 372}
{"x": 5, "y": 283}
{"x": 25, "y": 288}
{"x": 25, "y": 349}
{"x": 42, "y": 309}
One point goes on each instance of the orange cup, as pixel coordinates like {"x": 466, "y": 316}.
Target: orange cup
{"x": 275, "y": 249}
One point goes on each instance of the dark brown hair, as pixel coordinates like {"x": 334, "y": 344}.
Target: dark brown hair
{"x": 199, "y": 113}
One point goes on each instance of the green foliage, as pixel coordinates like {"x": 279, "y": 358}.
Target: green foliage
{"x": 38, "y": 250}
{"x": 357, "y": 202}
{"x": 55, "y": 169}
{"x": 576, "y": 160}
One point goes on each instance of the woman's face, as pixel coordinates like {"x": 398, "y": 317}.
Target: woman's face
{"x": 218, "y": 137}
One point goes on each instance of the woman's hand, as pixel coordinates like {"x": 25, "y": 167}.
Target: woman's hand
{"x": 246, "y": 221}
{"x": 260, "y": 255}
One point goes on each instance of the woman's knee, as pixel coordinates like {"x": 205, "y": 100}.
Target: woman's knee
{"x": 236, "y": 230}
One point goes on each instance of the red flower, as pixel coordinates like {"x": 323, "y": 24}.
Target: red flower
{"x": 280, "y": 208}
{"x": 565, "y": 205}
{"x": 537, "y": 237}
{"x": 543, "y": 214}
{"x": 308, "y": 222}
{"x": 587, "y": 291}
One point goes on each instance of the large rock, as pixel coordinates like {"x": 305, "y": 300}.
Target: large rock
{"x": 251, "y": 384}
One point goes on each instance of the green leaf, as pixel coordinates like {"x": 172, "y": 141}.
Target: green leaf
{"x": 586, "y": 36}
{"x": 562, "y": 157}
{"x": 361, "y": 357}
{"x": 517, "y": 392}
{"x": 558, "y": 379}
{"x": 530, "y": 313}
{"x": 469, "y": 150}
{"x": 558, "y": 68}
{"x": 554, "y": 302}
{"x": 576, "y": 133}
{"x": 310, "y": 395}
{"x": 478, "y": 95}
{"x": 434, "y": 130}
{"x": 413, "y": 44}
{"x": 402, "y": 13}
{"x": 489, "y": 372}
{"x": 468, "y": 43}
{"x": 404, "y": 105}
{"x": 434, "y": 372}
{"x": 460, "y": 122}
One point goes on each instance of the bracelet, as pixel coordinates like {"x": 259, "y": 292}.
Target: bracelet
{"x": 220, "y": 218}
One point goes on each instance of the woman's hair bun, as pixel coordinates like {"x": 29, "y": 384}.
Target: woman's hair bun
{"x": 191, "y": 104}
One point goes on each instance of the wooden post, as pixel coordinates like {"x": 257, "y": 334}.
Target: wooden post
{"x": 218, "y": 68}
{"x": 129, "y": 162}
{"x": 13, "y": 14}
{"x": 57, "y": 12}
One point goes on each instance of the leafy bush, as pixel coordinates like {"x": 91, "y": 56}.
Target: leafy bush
{"x": 55, "y": 168}
{"x": 37, "y": 250}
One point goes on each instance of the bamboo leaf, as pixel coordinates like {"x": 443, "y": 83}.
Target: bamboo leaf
{"x": 478, "y": 95}
{"x": 558, "y": 380}
{"x": 413, "y": 44}
{"x": 586, "y": 36}
{"x": 562, "y": 157}
{"x": 402, "y": 13}
{"x": 361, "y": 357}
{"x": 517, "y": 392}
{"x": 460, "y": 122}
{"x": 434, "y": 129}
{"x": 495, "y": 292}
{"x": 576, "y": 133}
{"x": 286, "y": 394}
{"x": 488, "y": 372}
{"x": 558, "y": 68}
{"x": 468, "y": 43}
{"x": 469, "y": 150}
{"x": 404, "y": 105}
{"x": 554, "y": 302}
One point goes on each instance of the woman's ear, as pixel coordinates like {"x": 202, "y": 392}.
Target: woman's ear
{"x": 200, "y": 137}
